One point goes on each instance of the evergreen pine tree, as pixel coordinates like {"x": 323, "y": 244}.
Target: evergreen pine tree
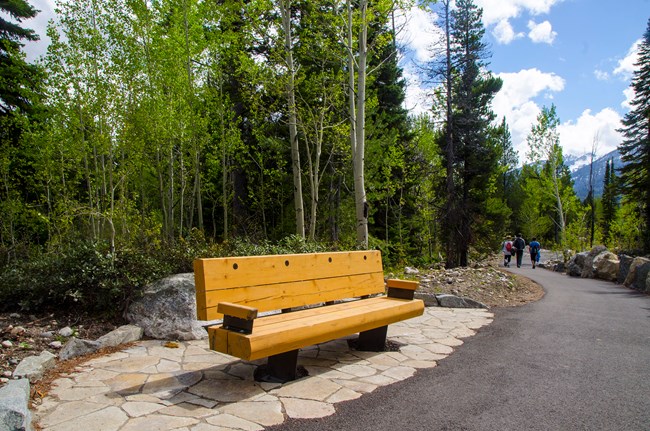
{"x": 609, "y": 200}
{"x": 476, "y": 155}
{"x": 18, "y": 79}
{"x": 635, "y": 148}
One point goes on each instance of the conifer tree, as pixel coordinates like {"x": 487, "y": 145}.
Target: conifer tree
{"x": 476, "y": 156}
{"x": 635, "y": 148}
{"x": 18, "y": 79}
{"x": 609, "y": 200}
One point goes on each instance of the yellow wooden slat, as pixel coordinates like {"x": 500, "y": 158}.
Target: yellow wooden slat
{"x": 402, "y": 284}
{"x": 199, "y": 285}
{"x": 337, "y": 310}
{"x": 237, "y": 310}
{"x": 225, "y": 273}
{"x": 218, "y": 338}
{"x": 355, "y": 309}
{"x": 293, "y": 294}
{"x": 297, "y": 333}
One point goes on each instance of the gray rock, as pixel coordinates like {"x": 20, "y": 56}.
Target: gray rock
{"x": 453, "y": 301}
{"x": 411, "y": 271}
{"x": 623, "y": 267}
{"x": 121, "y": 335}
{"x": 33, "y": 367}
{"x": 167, "y": 310}
{"x": 636, "y": 277}
{"x": 66, "y": 332}
{"x": 77, "y": 347}
{"x": 56, "y": 344}
{"x": 588, "y": 267}
{"x": 429, "y": 299}
{"x": 576, "y": 264}
{"x": 605, "y": 266}
{"x": 14, "y": 413}
{"x": 18, "y": 330}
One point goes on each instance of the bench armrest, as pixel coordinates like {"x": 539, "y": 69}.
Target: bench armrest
{"x": 238, "y": 318}
{"x": 402, "y": 289}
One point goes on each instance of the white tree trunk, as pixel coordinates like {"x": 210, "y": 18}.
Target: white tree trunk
{"x": 358, "y": 142}
{"x": 285, "y": 7}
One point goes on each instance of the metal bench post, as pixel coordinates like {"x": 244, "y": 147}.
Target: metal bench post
{"x": 280, "y": 368}
{"x": 373, "y": 340}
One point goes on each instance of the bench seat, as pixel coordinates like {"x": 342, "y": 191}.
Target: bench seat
{"x": 284, "y": 332}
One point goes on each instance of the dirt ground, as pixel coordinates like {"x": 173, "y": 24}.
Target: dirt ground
{"x": 485, "y": 282}
{"x": 25, "y": 334}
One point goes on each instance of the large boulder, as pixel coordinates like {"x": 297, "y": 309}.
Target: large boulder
{"x": 605, "y": 266}
{"x": 623, "y": 267}
{"x": 637, "y": 277}
{"x": 167, "y": 310}
{"x": 588, "y": 267}
{"x": 576, "y": 264}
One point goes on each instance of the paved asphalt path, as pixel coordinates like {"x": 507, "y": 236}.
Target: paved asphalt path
{"x": 579, "y": 359}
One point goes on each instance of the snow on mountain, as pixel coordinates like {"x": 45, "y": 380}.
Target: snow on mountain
{"x": 579, "y": 167}
{"x": 576, "y": 162}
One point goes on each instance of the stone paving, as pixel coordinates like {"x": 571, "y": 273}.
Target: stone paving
{"x": 151, "y": 386}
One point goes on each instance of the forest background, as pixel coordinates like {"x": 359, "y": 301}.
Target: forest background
{"x": 156, "y": 131}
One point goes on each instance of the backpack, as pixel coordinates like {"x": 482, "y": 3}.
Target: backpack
{"x": 535, "y": 249}
{"x": 508, "y": 246}
{"x": 520, "y": 244}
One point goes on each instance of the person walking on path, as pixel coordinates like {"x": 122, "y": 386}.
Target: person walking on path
{"x": 533, "y": 247}
{"x": 507, "y": 249}
{"x": 519, "y": 244}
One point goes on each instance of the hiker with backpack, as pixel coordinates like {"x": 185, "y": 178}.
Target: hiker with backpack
{"x": 519, "y": 244}
{"x": 534, "y": 248}
{"x": 506, "y": 248}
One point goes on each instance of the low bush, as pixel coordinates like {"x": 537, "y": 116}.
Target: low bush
{"x": 86, "y": 276}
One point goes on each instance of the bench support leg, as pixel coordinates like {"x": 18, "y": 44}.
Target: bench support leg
{"x": 280, "y": 368}
{"x": 373, "y": 340}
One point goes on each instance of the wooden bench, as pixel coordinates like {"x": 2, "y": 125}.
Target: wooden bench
{"x": 338, "y": 294}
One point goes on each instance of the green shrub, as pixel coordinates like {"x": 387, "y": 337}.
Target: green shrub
{"x": 85, "y": 276}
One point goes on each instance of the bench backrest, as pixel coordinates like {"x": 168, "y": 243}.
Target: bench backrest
{"x": 284, "y": 281}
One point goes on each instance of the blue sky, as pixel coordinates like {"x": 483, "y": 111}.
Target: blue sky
{"x": 577, "y": 54}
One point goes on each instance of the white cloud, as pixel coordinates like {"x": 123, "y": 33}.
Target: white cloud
{"x": 39, "y": 25}
{"x": 542, "y": 32}
{"x": 418, "y": 32}
{"x": 515, "y": 101}
{"x": 629, "y": 97}
{"x": 417, "y": 99}
{"x": 504, "y": 33}
{"x": 578, "y": 137}
{"x": 626, "y": 66}
{"x": 495, "y": 11}
{"x": 601, "y": 75}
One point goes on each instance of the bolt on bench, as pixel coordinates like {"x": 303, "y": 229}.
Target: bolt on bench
{"x": 343, "y": 293}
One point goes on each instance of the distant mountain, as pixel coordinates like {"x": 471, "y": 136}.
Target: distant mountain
{"x": 579, "y": 167}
